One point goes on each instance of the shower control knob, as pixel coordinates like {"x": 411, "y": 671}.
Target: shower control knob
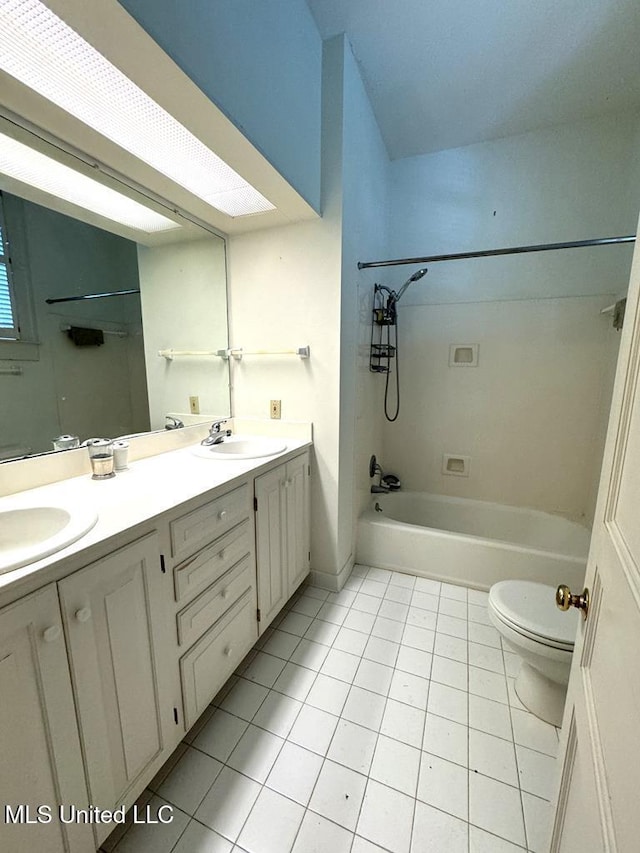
{"x": 565, "y": 599}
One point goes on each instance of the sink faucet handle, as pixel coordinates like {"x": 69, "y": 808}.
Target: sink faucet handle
{"x": 216, "y": 425}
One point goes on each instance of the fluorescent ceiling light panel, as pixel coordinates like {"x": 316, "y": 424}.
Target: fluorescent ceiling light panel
{"x": 41, "y": 51}
{"x": 22, "y": 163}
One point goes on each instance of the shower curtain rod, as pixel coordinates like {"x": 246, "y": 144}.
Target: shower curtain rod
{"x": 487, "y": 253}
{"x": 90, "y": 296}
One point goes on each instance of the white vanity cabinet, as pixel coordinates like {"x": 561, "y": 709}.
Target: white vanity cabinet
{"x": 282, "y": 534}
{"x": 116, "y": 629}
{"x": 39, "y": 745}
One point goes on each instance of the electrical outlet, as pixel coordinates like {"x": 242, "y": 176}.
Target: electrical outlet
{"x": 274, "y": 408}
{"x": 194, "y": 405}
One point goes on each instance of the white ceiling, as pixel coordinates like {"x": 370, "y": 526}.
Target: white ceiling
{"x": 446, "y": 73}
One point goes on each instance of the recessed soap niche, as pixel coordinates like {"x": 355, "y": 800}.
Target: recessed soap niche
{"x": 463, "y": 355}
{"x": 455, "y": 465}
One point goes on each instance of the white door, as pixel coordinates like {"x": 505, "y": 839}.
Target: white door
{"x": 297, "y": 515}
{"x": 599, "y": 798}
{"x": 271, "y": 546}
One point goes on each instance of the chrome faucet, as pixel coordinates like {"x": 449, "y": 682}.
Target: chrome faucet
{"x": 173, "y": 423}
{"x": 216, "y": 434}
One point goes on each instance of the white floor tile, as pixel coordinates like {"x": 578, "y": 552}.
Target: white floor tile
{"x": 477, "y": 596}
{"x": 295, "y": 623}
{"x": 264, "y": 669}
{"x": 281, "y": 644}
{"x": 353, "y": 746}
{"x": 512, "y": 663}
{"x": 513, "y": 698}
{"x": 319, "y": 835}
{"x": 322, "y": 632}
{"x": 403, "y": 723}
{"x": 444, "y": 785}
{"x": 537, "y": 772}
{"x": 328, "y": 694}
{"x": 189, "y": 781}
{"x": 445, "y": 701}
{"x": 295, "y": 773}
{"x": 344, "y": 598}
{"x": 333, "y": 613}
{"x": 381, "y": 651}
{"x": 485, "y": 634}
{"x": 359, "y": 621}
{"x": 449, "y": 607}
{"x": 388, "y": 629}
{"x": 478, "y": 613}
{"x": 371, "y": 587}
{"x": 399, "y": 579}
{"x": 386, "y": 817}
{"x": 367, "y": 603}
{"x": 418, "y": 638}
{"x": 340, "y": 665}
{"x": 277, "y": 713}
{"x": 489, "y": 716}
{"x": 493, "y": 757}
{"x": 314, "y": 729}
{"x": 381, "y": 575}
{"x": 154, "y": 837}
{"x": 415, "y": 661}
{"x": 228, "y": 803}
{"x": 484, "y": 842}
{"x": 295, "y": 681}
{"x": 422, "y": 618}
{"x": 373, "y": 676}
{"x": 533, "y": 732}
{"x": 496, "y": 807}
{"x": 255, "y": 753}
{"x": 451, "y": 625}
{"x": 272, "y": 825}
{"x": 244, "y": 699}
{"x": 220, "y": 735}
{"x": 428, "y": 585}
{"x": 424, "y": 600}
{"x": 489, "y": 685}
{"x": 410, "y": 689}
{"x": 309, "y": 654}
{"x": 538, "y": 815}
{"x": 198, "y": 838}
{"x": 314, "y": 591}
{"x": 486, "y": 657}
{"x": 399, "y": 594}
{"x": 353, "y": 583}
{"x": 396, "y": 765}
{"x": 393, "y": 610}
{"x": 307, "y": 605}
{"x": 364, "y": 707}
{"x": 351, "y": 641}
{"x": 361, "y": 845}
{"x": 454, "y": 591}
{"x": 449, "y": 672}
{"x": 451, "y": 647}
{"x": 435, "y": 831}
{"x": 445, "y": 738}
{"x": 338, "y": 794}
{"x": 359, "y": 570}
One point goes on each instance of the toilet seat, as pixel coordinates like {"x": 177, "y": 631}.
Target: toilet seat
{"x": 529, "y": 609}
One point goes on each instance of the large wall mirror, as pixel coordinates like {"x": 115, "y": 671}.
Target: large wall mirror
{"x": 90, "y": 367}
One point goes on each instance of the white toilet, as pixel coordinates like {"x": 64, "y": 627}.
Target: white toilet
{"x": 526, "y": 616}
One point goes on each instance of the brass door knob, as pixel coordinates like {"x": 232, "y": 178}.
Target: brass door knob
{"x": 565, "y": 599}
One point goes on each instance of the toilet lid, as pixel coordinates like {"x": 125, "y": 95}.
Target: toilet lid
{"x": 530, "y": 609}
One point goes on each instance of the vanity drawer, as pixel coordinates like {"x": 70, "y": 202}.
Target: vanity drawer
{"x": 206, "y": 666}
{"x": 210, "y": 605}
{"x": 207, "y": 565}
{"x": 202, "y": 525}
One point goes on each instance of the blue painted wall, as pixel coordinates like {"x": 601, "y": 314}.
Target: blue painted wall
{"x": 260, "y": 63}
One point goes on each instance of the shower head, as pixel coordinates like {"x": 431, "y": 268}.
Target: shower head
{"x": 415, "y": 277}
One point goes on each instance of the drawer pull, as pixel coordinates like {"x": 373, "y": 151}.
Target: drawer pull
{"x": 51, "y": 633}
{"x": 227, "y": 651}
{"x": 222, "y": 514}
{"x": 83, "y": 615}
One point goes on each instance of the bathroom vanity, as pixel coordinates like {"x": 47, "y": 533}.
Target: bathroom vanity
{"x": 112, "y": 648}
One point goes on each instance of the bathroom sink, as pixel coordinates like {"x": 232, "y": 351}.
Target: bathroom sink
{"x": 29, "y": 533}
{"x": 237, "y": 447}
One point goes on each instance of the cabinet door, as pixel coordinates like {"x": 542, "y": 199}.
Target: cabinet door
{"x": 271, "y": 546}
{"x": 39, "y": 747}
{"x": 297, "y": 532}
{"x": 108, "y": 608}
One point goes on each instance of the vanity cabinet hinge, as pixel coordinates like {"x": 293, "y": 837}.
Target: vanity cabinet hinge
{"x": 259, "y": 615}
{"x": 309, "y": 470}
{"x": 255, "y": 504}
{"x": 163, "y": 568}
{"x": 309, "y": 556}
{"x": 175, "y": 716}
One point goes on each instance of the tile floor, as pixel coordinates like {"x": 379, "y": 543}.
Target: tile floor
{"x": 381, "y": 718}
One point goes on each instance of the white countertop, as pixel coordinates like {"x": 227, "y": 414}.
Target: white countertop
{"x": 150, "y": 487}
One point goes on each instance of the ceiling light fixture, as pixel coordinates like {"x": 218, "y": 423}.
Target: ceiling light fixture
{"x": 44, "y": 53}
{"x": 22, "y": 163}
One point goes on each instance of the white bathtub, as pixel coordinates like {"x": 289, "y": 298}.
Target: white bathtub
{"x": 475, "y": 543}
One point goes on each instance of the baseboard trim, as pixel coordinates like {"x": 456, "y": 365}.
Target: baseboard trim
{"x": 331, "y": 581}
